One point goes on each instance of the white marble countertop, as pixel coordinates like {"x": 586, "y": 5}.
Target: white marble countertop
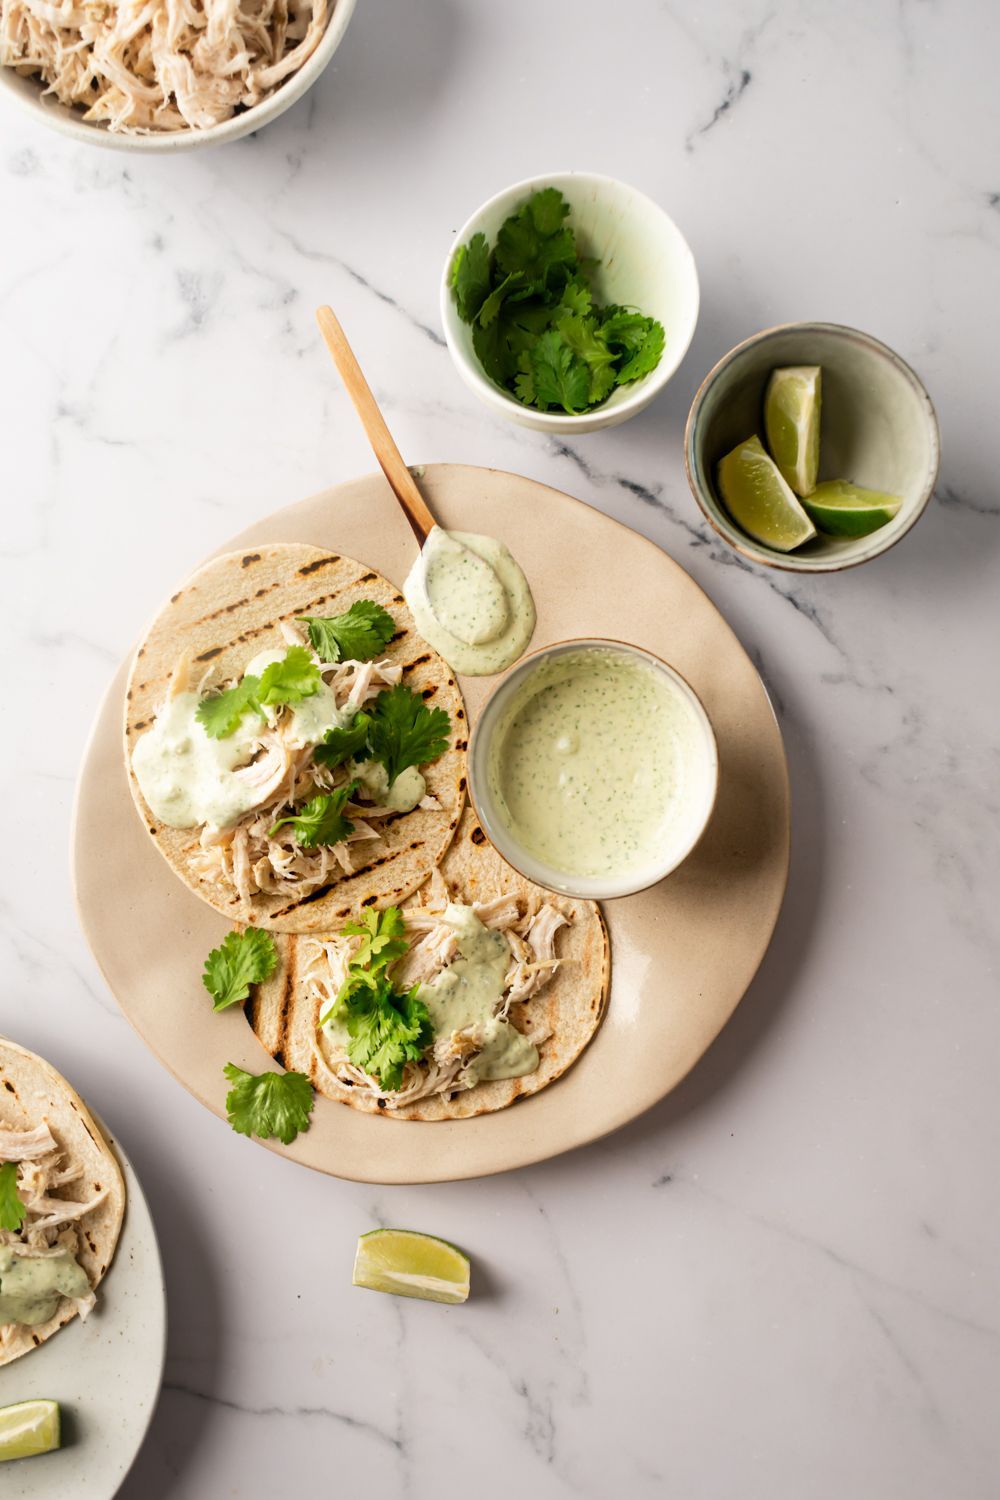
{"x": 783, "y": 1281}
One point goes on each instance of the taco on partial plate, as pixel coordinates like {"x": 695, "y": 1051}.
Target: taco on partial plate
{"x": 481, "y": 989}
{"x": 62, "y": 1203}
{"x": 295, "y": 749}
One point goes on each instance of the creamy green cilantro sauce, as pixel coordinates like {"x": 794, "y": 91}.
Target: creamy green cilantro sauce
{"x": 470, "y": 601}
{"x": 31, "y": 1285}
{"x": 189, "y": 779}
{"x": 469, "y": 990}
{"x": 589, "y": 762}
{"x": 404, "y": 794}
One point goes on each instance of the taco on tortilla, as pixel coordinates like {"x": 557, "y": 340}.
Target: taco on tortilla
{"x": 295, "y": 749}
{"x": 62, "y": 1202}
{"x": 481, "y": 989}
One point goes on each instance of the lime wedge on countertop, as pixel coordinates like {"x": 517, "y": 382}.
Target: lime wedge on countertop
{"x": 29, "y": 1428}
{"x": 760, "y": 501}
{"x": 410, "y": 1264}
{"x": 843, "y": 509}
{"x": 791, "y": 424}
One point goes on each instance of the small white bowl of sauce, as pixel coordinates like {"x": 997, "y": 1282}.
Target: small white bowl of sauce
{"x": 593, "y": 768}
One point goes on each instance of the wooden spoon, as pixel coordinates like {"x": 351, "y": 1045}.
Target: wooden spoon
{"x": 400, "y": 479}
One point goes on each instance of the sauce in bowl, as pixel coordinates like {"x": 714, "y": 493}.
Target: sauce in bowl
{"x": 594, "y": 768}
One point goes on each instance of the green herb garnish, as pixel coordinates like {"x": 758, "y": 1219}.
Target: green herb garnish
{"x": 347, "y": 743}
{"x": 290, "y": 680}
{"x": 358, "y": 635}
{"x": 320, "y": 821}
{"x": 382, "y": 940}
{"x": 242, "y": 959}
{"x": 535, "y": 327}
{"x": 12, "y": 1210}
{"x": 397, "y": 730}
{"x": 404, "y": 731}
{"x": 386, "y": 1028}
{"x": 268, "y": 1104}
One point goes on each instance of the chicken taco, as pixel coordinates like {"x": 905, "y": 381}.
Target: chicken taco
{"x": 481, "y": 989}
{"x": 62, "y": 1202}
{"x": 295, "y": 749}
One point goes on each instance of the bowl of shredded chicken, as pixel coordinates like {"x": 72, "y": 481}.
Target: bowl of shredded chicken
{"x": 165, "y": 74}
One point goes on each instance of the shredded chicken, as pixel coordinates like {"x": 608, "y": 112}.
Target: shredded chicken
{"x": 282, "y": 776}
{"x": 151, "y": 66}
{"x": 529, "y": 925}
{"x": 50, "y": 1222}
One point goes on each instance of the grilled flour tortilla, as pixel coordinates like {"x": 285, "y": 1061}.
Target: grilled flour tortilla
{"x": 69, "y": 1183}
{"x": 560, "y": 1015}
{"x": 230, "y": 611}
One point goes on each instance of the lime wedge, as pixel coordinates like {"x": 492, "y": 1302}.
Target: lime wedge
{"x": 410, "y": 1264}
{"x": 759, "y": 500}
{"x": 791, "y": 423}
{"x": 843, "y": 509}
{"x": 28, "y": 1428}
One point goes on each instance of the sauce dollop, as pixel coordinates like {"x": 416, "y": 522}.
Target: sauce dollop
{"x": 470, "y": 601}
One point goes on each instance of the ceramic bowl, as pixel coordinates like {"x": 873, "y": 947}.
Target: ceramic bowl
{"x": 878, "y": 429}
{"x": 700, "y": 774}
{"x": 28, "y": 93}
{"x": 645, "y": 263}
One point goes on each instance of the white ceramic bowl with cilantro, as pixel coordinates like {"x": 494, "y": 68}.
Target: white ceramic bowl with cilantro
{"x": 645, "y": 264}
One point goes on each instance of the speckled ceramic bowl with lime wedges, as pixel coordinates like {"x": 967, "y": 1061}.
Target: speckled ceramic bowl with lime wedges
{"x": 878, "y": 429}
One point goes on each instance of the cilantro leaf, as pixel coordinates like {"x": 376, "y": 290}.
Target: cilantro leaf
{"x": 470, "y": 276}
{"x": 582, "y": 337}
{"x": 576, "y": 298}
{"x": 382, "y": 940}
{"x": 294, "y": 677}
{"x": 357, "y": 635}
{"x": 349, "y": 742}
{"x": 12, "y": 1210}
{"x": 404, "y": 731}
{"x": 220, "y": 715}
{"x": 385, "y": 1030}
{"x": 320, "y": 821}
{"x": 560, "y": 378}
{"x": 491, "y": 307}
{"x": 268, "y": 1104}
{"x": 290, "y": 680}
{"x": 545, "y": 257}
{"x": 646, "y": 357}
{"x": 396, "y": 1030}
{"x": 548, "y": 208}
{"x": 242, "y": 959}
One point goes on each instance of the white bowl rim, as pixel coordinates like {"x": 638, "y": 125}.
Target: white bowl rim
{"x": 589, "y": 888}
{"x": 786, "y": 562}
{"x": 642, "y": 392}
{"x": 66, "y": 122}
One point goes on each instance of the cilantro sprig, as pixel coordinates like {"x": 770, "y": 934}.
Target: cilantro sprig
{"x": 319, "y": 821}
{"x": 535, "y": 327}
{"x": 241, "y": 959}
{"x": 386, "y": 1028}
{"x": 294, "y": 677}
{"x": 404, "y": 732}
{"x": 268, "y": 1104}
{"x": 357, "y": 635}
{"x": 382, "y": 940}
{"x": 12, "y": 1210}
{"x": 398, "y": 730}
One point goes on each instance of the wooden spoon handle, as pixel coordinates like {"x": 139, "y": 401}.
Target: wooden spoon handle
{"x": 391, "y": 460}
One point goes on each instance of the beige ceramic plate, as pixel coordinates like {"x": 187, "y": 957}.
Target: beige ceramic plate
{"x": 683, "y": 953}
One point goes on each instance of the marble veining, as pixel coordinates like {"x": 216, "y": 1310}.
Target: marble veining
{"x": 782, "y": 1281}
